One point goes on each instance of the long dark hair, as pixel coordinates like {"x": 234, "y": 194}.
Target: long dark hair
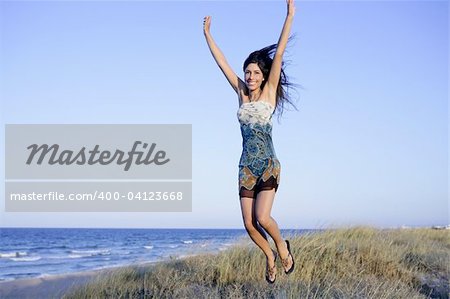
{"x": 264, "y": 58}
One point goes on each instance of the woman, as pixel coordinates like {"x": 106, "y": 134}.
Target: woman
{"x": 259, "y": 169}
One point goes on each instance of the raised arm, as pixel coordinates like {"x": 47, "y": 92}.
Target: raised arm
{"x": 233, "y": 79}
{"x": 275, "y": 71}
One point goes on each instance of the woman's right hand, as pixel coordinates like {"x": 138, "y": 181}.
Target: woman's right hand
{"x": 206, "y": 24}
{"x": 290, "y": 8}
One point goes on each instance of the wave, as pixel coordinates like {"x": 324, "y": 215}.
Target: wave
{"x": 76, "y": 256}
{"x": 148, "y": 247}
{"x": 26, "y": 259}
{"x": 11, "y": 277}
{"x": 15, "y": 254}
{"x": 187, "y": 242}
{"x": 49, "y": 247}
{"x": 56, "y": 257}
{"x": 44, "y": 275}
{"x": 87, "y": 253}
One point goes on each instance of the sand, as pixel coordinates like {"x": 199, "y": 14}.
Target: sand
{"x": 52, "y": 286}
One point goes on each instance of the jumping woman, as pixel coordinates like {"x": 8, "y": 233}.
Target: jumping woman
{"x": 262, "y": 92}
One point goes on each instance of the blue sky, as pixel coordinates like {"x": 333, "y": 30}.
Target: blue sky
{"x": 368, "y": 144}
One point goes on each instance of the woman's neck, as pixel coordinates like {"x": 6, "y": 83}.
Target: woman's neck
{"x": 254, "y": 95}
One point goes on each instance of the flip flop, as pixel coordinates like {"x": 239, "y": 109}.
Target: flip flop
{"x": 285, "y": 260}
{"x": 270, "y": 270}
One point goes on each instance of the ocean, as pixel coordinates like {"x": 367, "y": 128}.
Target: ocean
{"x": 38, "y": 252}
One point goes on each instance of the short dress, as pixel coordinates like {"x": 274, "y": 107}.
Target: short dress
{"x": 259, "y": 168}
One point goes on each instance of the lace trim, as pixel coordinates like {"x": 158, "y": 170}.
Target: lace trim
{"x": 271, "y": 183}
{"x": 248, "y": 180}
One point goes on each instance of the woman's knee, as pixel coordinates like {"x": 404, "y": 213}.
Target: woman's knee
{"x": 263, "y": 219}
{"x": 249, "y": 224}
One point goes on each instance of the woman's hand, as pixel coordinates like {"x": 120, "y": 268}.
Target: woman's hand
{"x": 290, "y": 8}
{"x": 206, "y": 24}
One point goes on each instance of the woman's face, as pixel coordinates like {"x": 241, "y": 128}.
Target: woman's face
{"x": 253, "y": 76}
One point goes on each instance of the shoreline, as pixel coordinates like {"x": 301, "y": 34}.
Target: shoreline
{"x": 52, "y": 286}
{"x": 56, "y": 285}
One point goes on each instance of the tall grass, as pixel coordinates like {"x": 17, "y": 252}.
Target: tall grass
{"x": 356, "y": 262}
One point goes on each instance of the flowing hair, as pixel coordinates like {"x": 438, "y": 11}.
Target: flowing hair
{"x": 264, "y": 58}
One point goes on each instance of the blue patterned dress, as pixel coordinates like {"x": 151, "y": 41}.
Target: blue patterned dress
{"x": 259, "y": 168}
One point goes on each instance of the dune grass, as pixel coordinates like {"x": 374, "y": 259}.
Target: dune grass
{"x": 355, "y": 262}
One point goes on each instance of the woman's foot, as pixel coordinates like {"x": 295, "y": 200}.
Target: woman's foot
{"x": 271, "y": 269}
{"x": 288, "y": 262}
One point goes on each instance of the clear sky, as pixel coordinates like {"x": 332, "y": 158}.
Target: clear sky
{"x": 368, "y": 144}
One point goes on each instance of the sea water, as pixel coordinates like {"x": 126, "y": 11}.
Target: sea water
{"x": 37, "y": 252}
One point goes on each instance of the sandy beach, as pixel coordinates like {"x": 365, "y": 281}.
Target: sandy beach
{"x": 55, "y": 286}
{"x": 52, "y": 286}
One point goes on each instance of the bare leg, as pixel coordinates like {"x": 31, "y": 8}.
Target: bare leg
{"x": 254, "y": 230}
{"x": 263, "y": 208}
